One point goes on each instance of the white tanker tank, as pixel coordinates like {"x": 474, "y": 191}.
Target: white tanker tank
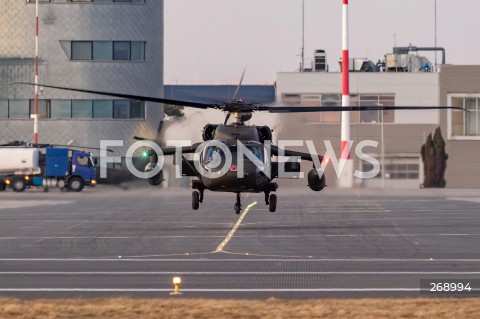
{"x": 19, "y": 161}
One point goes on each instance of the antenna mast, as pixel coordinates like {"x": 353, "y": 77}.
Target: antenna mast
{"x": 302, "y": 65}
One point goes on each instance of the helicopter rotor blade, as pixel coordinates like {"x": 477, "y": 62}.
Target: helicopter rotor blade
{"x": 302, "y": 109}
{"x": 74, "y": 146}
{"x": 239, "y": 85}
{"x": 139, "y": 138}
{"x": 130, "y": 96}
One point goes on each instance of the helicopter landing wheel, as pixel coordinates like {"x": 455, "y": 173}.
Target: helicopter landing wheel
{"x": 272, "y": 206}
{"x": 195, "y": 200}
{"x": 238, "y": 205}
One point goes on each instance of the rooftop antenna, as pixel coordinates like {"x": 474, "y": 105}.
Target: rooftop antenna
{"x": 436, "y": 63}
{"x": 302, "y": 65}
{"x": 394, "y": 37}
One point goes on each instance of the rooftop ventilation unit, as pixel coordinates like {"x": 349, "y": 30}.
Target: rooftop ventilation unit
{"x": 320, "y": 61}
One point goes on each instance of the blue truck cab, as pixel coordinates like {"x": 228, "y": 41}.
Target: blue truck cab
{"x": 72, "y": 172}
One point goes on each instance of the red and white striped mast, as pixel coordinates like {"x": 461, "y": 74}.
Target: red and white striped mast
{"x": 35, "y": 106}
{"x": 345, "y": 138}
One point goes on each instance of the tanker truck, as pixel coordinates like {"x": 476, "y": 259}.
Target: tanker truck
{"x": 67, "y": 169}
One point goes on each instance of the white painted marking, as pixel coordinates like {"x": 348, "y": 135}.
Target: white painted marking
{"x": 471, "y": 200}
{"x": 230, "y": 273}
{"x": 294, "y": 223}
{"x": 209, "y": 290}
{"x": 230, "y": 235}
{"x": 249, "y": 260}
{"x": 234, "y": 229}
{"x": 9, "y": 204}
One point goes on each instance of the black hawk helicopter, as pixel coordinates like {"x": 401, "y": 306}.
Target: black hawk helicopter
{"x": 254, "y": 138}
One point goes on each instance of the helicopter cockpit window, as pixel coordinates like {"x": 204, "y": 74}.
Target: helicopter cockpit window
{"x": 213, "y": 156}
{"x": 256, "y": 150}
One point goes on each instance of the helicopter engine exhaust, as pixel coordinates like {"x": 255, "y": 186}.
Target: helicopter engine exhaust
{"x": 209, "y": 132}
{"x": 315, "y": 182}
{"x": 264, "y": 133}
{"x": 158, "y": 178}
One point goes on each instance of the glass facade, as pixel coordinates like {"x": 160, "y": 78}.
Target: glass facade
{"x": 107, "y": 50}
{"x": 121, "y": 109}
{"x": 3, "y": 109}
{"x": 18, "y": 109}
{"x": 73, "y": 109}
{"x": 102, "y": 109}
{"x": 336, "y": 100}
{"x": 43, "y": 110}
{"x": 82, "y": 109}
{"x": 82, "y": 50}
{"x": 61, "y": 109}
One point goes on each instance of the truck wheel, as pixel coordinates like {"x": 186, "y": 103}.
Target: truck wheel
{"x": 76, "y": 184}
{"x": 19, "y": 184}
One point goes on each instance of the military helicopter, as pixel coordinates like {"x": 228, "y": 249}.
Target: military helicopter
{"x": 232, "y": 136}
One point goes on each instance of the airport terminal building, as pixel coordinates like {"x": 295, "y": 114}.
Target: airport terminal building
{"x": 103, "y": 45}
{"x": 404, "y": 132}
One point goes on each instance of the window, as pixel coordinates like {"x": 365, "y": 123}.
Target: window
{"x": 82, "y": 50}
{"x": 73, "y": 109}
{"x": 18, "y": 109}
{"x": 336, "y": 100}
{"x": 3, "y": 109}
{"x": 137, "y": 110}
{"x": 292, "y": 99}
{"x": 121, "y": 109}
{"x": 465, "y": 123}
{"x": 138, "y": 51}
{"x": 330, "y": 100}
{"x": 102, "y": 109}
{"x": 397, "y": 168}
{"x": 43, "y": 109}
{"x": 103, "y": 50}
{"x": 121, "y": 50}
{"x": 107, "y": 50}
{"x": 82, "y": 109}
{"x": 61, "y": 109}
{"x": 82, "y": 160}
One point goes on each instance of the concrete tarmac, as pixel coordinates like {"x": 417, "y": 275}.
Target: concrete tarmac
{"x": 108, "y": 242}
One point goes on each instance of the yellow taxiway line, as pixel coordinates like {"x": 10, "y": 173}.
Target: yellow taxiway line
{"x": 234, "y": 229}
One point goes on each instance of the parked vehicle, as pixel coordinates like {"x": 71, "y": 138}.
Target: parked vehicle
{"x": 65, "y": 168}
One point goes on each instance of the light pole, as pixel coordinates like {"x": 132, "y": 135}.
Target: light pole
{"x": 35, "y": 102}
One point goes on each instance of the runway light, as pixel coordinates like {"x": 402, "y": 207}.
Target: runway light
{"x": 176, "y": 282}
{"x": 145, "y": 154}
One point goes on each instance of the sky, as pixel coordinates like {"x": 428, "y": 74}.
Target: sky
{"x": 212, "y": 41}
